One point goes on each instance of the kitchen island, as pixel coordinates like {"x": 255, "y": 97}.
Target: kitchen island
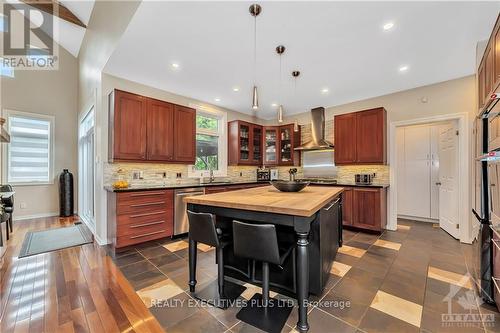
{"x": 311, "y": 218}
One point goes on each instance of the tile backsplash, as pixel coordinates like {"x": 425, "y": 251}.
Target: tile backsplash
{"x": 153, "y": 173}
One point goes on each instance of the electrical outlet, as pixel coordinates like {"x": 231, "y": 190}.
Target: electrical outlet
{"x": 23, "y": 205}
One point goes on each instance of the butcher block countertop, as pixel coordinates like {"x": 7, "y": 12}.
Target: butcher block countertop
{"x": 270, "y": 200}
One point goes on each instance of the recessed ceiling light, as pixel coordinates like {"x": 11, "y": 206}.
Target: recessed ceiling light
{"x": 217, "y": 99}
{"x": 175, "y": 65}
{"x": 388, "y": 26}
{"x": 236, "y": 89}
{"x": 325, "y": 90}
{"x": 403, "y": 68}
{"x": 274, "y": 105}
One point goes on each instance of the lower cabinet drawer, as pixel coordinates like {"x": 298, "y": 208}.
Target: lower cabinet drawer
{"x": 127, "y": 240}
{"x": 144, "y": 227}
{"x": 144, "y": 217}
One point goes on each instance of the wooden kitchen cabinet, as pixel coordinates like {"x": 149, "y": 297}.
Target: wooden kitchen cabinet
{"x": 345, "y": 138}
{"x": 488, "y": 73}
{"x": 287, "y": 143}
{"x": 140, "y": 216}
{"x": 160, "y": 129}
{"x": 271, "y": 144}
{"x": 244, "y": 143}
{"x": 127, "y": 140}
{"x": 347, "y": 207}
{"x": 185, "y": 134}
{"x": 361, "y": 137}
{"x": 369, "y": 208}
{"x": 146, "y": 129}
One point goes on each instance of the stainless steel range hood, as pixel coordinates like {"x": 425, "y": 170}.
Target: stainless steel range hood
{"x": 318, "y": 141}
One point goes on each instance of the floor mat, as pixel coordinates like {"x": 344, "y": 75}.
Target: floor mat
{"x": 36, "y": 242}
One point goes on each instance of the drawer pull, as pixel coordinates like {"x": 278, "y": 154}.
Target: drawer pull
{"x": 148, "y": 214}
{"x": 146, "y": 194}
{"x": 146, "y": 224}
{"x": 495, "y": 243}
{"x": 148, "y": 234}
{"x": 148, "y": 204}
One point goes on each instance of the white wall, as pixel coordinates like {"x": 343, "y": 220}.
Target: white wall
{"x": 48, "y": 92}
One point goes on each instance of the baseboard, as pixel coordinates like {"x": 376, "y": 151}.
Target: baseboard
{"x": 419, "y": 219}
{"x": 35, "y": 216}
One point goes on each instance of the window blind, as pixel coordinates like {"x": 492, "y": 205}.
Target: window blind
{"x": 29, "y": 150}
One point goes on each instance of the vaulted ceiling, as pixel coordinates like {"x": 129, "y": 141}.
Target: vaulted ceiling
{"x": 204, "y": 50}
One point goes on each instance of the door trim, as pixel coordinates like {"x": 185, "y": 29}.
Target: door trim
{"x": 464, "y": 127}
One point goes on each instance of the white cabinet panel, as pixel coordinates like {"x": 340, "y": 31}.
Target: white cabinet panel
{"x": 434, "y": 164}
{"x": 417, "y": 201}
{"x": 417, "y": 143}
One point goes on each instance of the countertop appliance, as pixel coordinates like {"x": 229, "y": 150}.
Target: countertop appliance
{"x": 181, "y": 224}
{"x": 263, "y": 175}
{"x": 274, "y": 174}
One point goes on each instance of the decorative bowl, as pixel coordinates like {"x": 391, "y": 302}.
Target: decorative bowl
{"x": 289, "y": 186}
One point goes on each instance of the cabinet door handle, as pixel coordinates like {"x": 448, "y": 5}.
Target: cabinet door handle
{"x": 148, "y": 204}
{"x": 146, "y": 224}
{"x": 331, "y": 205}
{"x": 438, "y": 184}
{"x": 496, "y": 244}
{"x": 146, "y": 194}
{"x": 147, "y": 214}
{"x": 147, "y": 234}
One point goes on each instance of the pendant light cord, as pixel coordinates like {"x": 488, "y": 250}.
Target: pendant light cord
{"x": 255, "y": 51}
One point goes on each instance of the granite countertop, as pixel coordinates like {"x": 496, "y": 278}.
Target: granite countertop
{"x": 353, "y": 184}
{"x": 146, "y": 187}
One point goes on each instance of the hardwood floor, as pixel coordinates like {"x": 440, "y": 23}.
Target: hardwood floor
{"x": 78, "y": 289}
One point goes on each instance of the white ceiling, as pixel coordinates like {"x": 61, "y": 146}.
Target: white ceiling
{"x": 337, "y": 45}
{"x": 68, "y": 35}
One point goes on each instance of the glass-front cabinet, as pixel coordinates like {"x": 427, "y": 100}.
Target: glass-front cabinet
{"x": 271, "y": 152}
{"x": 252, "y": 144}
{"x": 286, "y": 145}
{"x": 244, "y": 143}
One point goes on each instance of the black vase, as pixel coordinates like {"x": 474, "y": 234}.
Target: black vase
{"x": 65, "y": 194}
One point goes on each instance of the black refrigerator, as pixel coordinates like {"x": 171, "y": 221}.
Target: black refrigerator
{"x": 486, "y": 270}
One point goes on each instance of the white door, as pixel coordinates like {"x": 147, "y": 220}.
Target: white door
{"x": 86, "y": 170}
{"x": 448, "y": 178}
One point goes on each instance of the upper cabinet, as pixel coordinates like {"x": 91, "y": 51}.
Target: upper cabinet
{"x": 251, "y": 144}
{"x": 185, "y": 134}
{"x": 245, "y": 143}
{"x": 160, "y": 118}
{"x": 345, "y": 138}
{"x": 488, "y": 73}
{"x": 361, "y": 137}
{"x": 128, "y": 126}
{"x": 146, "y": 129}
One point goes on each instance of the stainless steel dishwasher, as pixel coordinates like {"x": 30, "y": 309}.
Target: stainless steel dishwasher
{"x": 181, "y": 225}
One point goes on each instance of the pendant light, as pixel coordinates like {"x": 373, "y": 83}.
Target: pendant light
{"x": 280, "y": 49}
{"x": 255, "y": 10}
{"x": 295, "y": 75}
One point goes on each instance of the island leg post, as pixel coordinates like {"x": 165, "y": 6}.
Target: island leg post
{"x": 302, "y": 279}
{"x": 192, "y": 264}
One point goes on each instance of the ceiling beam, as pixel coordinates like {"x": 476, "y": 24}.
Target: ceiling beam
{"x": 55, "y": 8}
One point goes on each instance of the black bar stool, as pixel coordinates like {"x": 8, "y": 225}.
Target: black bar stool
{"x": 8, "y": 205}
{"x": 259, "y": 242}
{"x": 202, "y": 229}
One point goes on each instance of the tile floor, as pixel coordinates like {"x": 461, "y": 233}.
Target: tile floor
{"x": 412, "y": 280}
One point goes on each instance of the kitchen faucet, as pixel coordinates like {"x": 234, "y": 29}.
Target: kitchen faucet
{"x": 292, "y": 173}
